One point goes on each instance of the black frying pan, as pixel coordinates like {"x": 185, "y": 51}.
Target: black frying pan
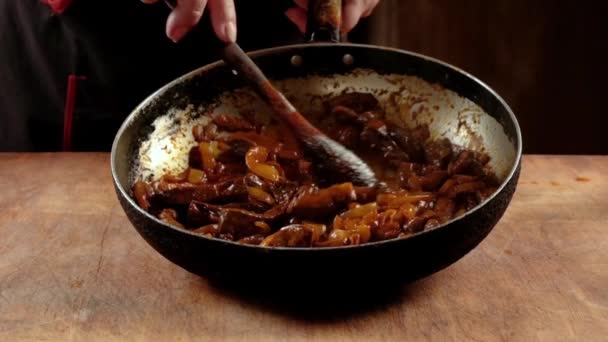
{"x": 413, "y": 89}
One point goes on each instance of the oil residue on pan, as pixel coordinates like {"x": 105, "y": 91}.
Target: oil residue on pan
{"x": 407, "y": 100}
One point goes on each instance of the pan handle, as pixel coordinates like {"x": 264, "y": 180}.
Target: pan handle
{"x": 324, "y": 21}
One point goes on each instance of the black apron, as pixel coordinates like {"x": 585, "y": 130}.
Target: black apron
{"x": 67, "y": 81}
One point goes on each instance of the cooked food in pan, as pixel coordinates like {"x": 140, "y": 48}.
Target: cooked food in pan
{"x": 249, "y": 181}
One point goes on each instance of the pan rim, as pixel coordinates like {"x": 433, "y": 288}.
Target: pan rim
{"x": 262, "y": 52}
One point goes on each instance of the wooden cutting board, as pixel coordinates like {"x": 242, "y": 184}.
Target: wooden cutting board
{"x": 72, "y": 268}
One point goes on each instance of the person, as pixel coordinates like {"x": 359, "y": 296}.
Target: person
{"x": 72, "y": 70}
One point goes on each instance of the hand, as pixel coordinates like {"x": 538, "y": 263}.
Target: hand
{"x": 352, "y": 11}
{"x": 187, "y": 14}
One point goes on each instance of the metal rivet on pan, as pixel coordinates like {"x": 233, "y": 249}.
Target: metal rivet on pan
{"x": 348, "y": 59}
{"x": 234, "y": 72}
{"x": 296, "y": 60}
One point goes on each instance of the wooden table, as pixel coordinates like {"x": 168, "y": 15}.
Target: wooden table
{"x": 72, "y": 268}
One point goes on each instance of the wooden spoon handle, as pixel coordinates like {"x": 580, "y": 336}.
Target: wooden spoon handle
{"x": 332, "y": 158}
{"x": 235, "y": 57}
{"x": 324, "y": 20}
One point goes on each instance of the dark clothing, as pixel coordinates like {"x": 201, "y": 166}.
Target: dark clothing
{"x": 68, "y": 80}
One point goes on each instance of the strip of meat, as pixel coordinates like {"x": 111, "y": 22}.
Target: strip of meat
{"x": 181, "y": 194}
{"x": 254, "y": 139}
{"x": 282, "y": 191}
{"x": 253, "y": 239}
{"x": 470, "y": 187}
{"x": 438, "y": 152}
{"x": 445, "y": 208}
{"x": 387, "y": 225}
{"x": 296, "y": 235}
{"x": 204, "y": 132}
{"x": 200, "y": 214}
{"x": 466, "y": 163}
{"x": 359, "y": 102}
{"x": 375, "y": 133}
{"x": 171, "y": 194}
{"x": 349, "y": 116}
{"x": 232, "y": 123}
{"x": 376, "y": 137}
{"x": 410, "y": 141}
{"x": 233, "y": 190}
{"x": 366, "y": 194}
{"x": 432, "y": 181}
{"x": 299, "y": 170}
{"x": 194, "y": 158}
{"x": 345, "y": 134}
{"x": 241, "y": 223}
{"x": 313, "y": 203}
{"x": 236, "y": 152}
{"x": 414, "y": 225}
{"x": 251, "y": 117}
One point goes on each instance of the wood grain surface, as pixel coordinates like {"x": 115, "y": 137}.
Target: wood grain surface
{"x": 73, "y": 269}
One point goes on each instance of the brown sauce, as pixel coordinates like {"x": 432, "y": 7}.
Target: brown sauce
{"x": 255, "y": 185}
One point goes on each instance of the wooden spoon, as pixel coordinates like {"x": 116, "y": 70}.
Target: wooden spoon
{"x": 336, "y": 162}
{"x": 331, "y": 157}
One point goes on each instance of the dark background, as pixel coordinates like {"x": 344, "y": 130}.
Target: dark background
{"x": 547, "y": 59}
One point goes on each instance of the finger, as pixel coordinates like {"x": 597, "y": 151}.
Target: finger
{"x": 301, "y": 3}
{"x": 354, "y": 10}
{"x": 223, "y": 19}
{"x": 371, "y": 5}
{"x": 186, "y": 14}
{"x": 298, "y": 16}
{"x": 352, "y": 13}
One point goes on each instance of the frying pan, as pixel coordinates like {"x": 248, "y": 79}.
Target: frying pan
{"x": 414, "y": 89}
